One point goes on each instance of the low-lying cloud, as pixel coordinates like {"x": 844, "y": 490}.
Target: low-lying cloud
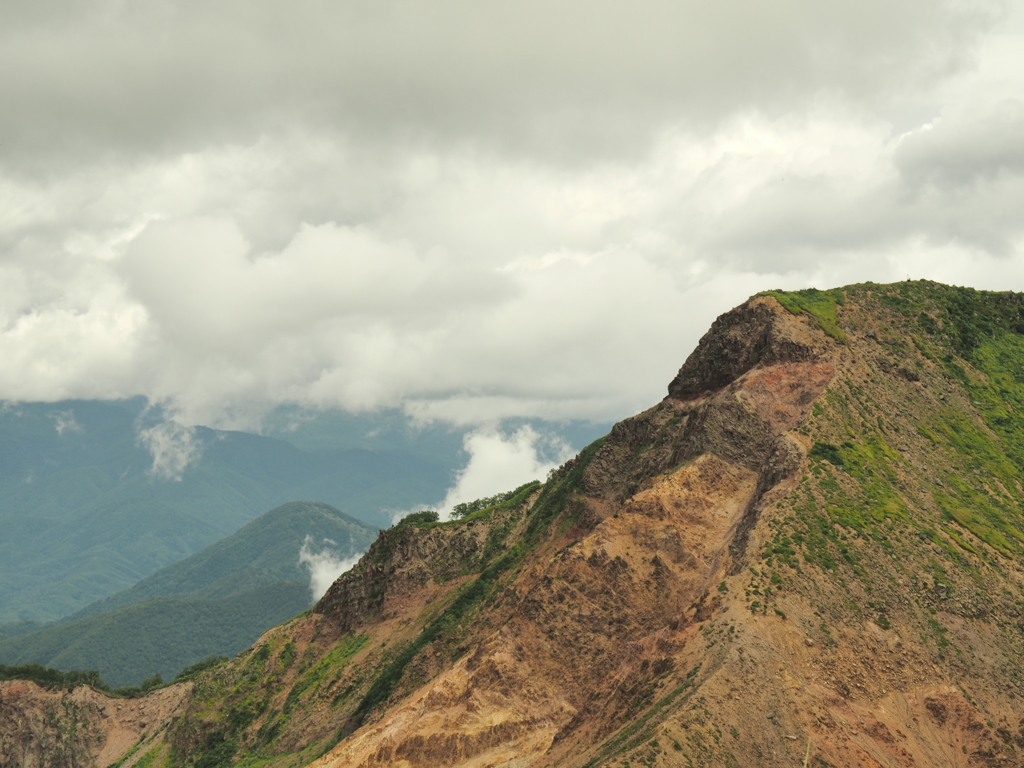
{"x": 500, "y": 462}
{"x": 173, "y": 445}
{"x": 65, "y": 421}
{"x": 325, "y": 565}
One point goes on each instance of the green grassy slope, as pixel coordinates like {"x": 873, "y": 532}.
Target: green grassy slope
{"x": 968, "y": 346}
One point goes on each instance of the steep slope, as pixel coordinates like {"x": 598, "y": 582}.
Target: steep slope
{"x": 215, "y": 602}
{"x": 812, "y": 539}
{"x": 57, "y": 728}
{"x": 808, "y": 553}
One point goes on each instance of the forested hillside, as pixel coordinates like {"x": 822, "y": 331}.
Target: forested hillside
{"x": 213, "y": 603}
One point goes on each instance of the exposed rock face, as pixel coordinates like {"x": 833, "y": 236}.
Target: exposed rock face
{"x": 810, "y": 551}
{"x": 597, "y": 625}
{"x": 81, "y": 728}
{"x": 637, "y": 634}
{"x": 753, "y": 334}
{"x": 43, "y": 730}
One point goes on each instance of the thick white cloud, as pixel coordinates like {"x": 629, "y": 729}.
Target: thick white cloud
{"x": 499, "y": 463}
{"x": 474, "y": 211}
{"x": 324, "y": 566}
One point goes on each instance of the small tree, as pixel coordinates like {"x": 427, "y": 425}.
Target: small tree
{"x": 423, "y": 517}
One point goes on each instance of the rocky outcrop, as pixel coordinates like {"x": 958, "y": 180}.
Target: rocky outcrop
{"x": 406, "y": 558}
{"x": 79, "y": 728}
{"x": 757, "y": 333}
{"x": 800, "y": 556}
{"x": 668, "y": 502}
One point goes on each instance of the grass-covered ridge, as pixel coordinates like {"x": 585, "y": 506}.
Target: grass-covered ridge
{"x": 821, "y": 305}
{"x": 921, "y": 442}
{"x": 956, "y": 338}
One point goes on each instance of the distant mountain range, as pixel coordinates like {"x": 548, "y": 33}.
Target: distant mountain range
{"x": 83, "y": 518}
{"x": 215, "y": 602}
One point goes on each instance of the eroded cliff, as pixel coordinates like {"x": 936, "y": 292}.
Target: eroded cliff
{"x": 809, "y": 552}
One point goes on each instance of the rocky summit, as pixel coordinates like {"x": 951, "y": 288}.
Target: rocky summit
{"x": 809, "y": 553}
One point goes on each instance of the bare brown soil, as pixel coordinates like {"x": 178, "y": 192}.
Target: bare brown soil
{"x": 697, "y": 602}
{"x": 655, "y": 597}
{"x": 45, "y": 728}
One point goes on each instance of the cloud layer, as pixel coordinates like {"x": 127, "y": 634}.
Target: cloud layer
{"x": 500, "y": 462}
{"x": 324, "y": 566}
{"x": 469, "y": 210}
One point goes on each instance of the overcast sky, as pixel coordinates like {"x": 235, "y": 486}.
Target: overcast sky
{"x": 475, "y": 209}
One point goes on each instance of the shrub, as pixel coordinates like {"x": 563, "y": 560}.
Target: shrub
{"x": 150, "y": 683}
{"x": 420, "y": 518}
{"x": 53, "y": 678}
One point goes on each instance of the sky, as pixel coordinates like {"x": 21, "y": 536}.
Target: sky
{"x": 474, "y": 210}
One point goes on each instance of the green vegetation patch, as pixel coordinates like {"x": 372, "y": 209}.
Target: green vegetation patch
{"x": 873, "y": 498}
{"x": 460, "y": 511}
{"x": 200, "y": 666}
{"x": 327, "y": 670}
{"x": 828, "y": 452}
{"x": 1001, "y": 399}
{"x": 978, "y": 495}
{"x": 423, "y": 517}
{"x": 504, "y": 500}
{"x": 153, "y": 758}
{"x": 821, "y": 305}
{"x": 53, "y": 678}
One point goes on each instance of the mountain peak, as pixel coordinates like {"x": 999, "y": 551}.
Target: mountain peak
{"x": 760, "y": 332}
{"x": 809, "y": 552}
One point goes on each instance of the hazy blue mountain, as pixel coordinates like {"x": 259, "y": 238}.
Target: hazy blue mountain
{"x": 265, "y": 551}
{"x": 214, "y": 602}
{"x": 84, "y": 518}
{"x": 49, "y": 568}
{"x": 161, "y": 635}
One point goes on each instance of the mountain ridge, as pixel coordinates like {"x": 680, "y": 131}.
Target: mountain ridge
{"x": 808, "y": 553}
